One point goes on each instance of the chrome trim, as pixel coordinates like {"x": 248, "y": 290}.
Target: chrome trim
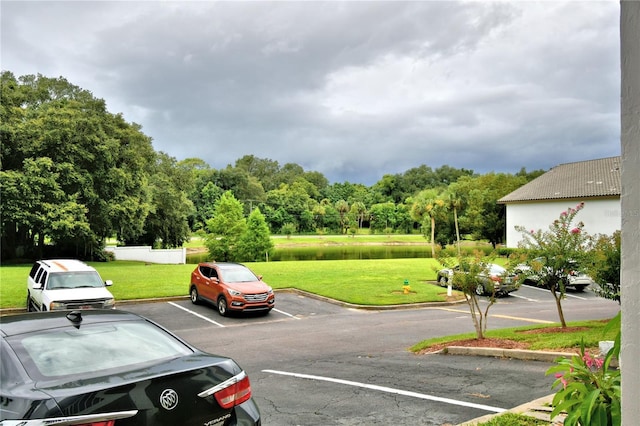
{"x": 71, "y": 420}
{"x": 217, "y": 388}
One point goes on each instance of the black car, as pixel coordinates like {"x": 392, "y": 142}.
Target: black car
{"x": 114, "y": 368}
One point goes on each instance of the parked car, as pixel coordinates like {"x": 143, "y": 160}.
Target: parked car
{"x": 114, "y": 368}
{"x": 576, "y": 279}
{"x": 230, "y": 287}
{"x": 494, "y": 279}
{"x": 58, "y": 284}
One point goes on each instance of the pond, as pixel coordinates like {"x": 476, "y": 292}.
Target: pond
{"x": 338, "y": 253}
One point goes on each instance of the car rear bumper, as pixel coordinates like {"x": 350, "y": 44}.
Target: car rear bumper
{"x": 247, "y": 413}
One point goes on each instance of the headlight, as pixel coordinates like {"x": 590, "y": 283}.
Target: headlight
{"x": 234, "y": 292}
{"x": 55, "y": 306}
{"x": 109, "y": 304}
{"x": 270, "y": 290}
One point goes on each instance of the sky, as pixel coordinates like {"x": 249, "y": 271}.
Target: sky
{"x": 354, "y": 90}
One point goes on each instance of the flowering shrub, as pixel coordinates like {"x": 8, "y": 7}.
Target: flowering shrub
{"x": 551, "y": 255}
{"x": 590, "y": 393}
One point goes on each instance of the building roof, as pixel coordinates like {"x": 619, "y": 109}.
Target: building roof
{"x": 584, "y": 179}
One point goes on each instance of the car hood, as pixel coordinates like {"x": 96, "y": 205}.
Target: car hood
{"x": 250, "y": 287}
{"x": 64, "y": 294}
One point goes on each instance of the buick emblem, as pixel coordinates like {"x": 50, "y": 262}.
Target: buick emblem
{"x": 169, "y": 399}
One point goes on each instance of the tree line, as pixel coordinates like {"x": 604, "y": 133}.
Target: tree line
{"x": 73, "y": 174}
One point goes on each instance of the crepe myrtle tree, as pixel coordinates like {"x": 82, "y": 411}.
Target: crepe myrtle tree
{"x": 553, "y": 254}
{"x": 467, "y": 270}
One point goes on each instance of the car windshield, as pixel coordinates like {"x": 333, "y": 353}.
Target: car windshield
{"x": 66, "y": 280}
{"x": 238, "y": 275}
{"x": 496, "y": 270}
{"x": 95, "y": 348}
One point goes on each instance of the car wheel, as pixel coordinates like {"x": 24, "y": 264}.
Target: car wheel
{"x": 29, "y": 304}
{"x": 222, "y": 306}
{"x": 580, "y": 288}
{"x": 442, "y": 280}
{"x": 480, "y": 290}
{"x": 193, "y": 295}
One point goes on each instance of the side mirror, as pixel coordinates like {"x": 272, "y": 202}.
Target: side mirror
{"x": 108, "y": 283}
{"x": 259, "y": 277}
{"x": 37, "y": 286}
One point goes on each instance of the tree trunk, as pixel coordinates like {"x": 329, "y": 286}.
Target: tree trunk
{"x": 558, "y": 298}
{"x": 433, "y": 237}
{"x": 455, "y": 220}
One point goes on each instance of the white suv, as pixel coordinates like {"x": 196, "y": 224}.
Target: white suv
{"x": 59, "y": 284}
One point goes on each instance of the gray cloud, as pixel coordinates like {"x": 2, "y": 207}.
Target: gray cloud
{"x": 351, "y": 89}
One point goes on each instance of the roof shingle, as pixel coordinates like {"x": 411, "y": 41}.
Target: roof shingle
{"x": 584, "y": 179}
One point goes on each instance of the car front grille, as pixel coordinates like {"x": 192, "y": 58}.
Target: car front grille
{"x": 259, "y": 297}
{"x": 84, "y": 304}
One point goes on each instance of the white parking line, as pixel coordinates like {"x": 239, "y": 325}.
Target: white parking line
{"x": 196, "y": 314}
{"x": 566, "y": 294}
{"x": 390, "y": 390}
{"x": 285, "y": 313}
{"x": 522, "y": 297}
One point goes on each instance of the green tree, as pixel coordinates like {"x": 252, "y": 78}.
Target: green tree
{"x": 255, "y": 243}
{"x": 605, "y": 267}
{"x": 466, "y": 277}
{"x": 343, "y": 208}
{"x": 383, "y": 216}
{"x": 455, "y": 202}
{"x": 225, "y": 228}
{"x": 428, "y": 206}
{"x": 47, "y": 212}
{"x": 483, "y": 216}
{"x": 167, "y": 222}
{"x": 101, "y": 162}
{"x": 552, "y": 254}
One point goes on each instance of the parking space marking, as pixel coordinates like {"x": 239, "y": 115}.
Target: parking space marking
{"x": 196, "y": 314}
{"x": 522, "y": 297}
{"x": 285, "y": 313}
{"x": 523, "y": 319}
{"x": 390, "y": 390}
{"x": 565, "y": 293}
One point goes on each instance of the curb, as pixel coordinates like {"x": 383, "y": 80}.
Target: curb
{"x": 368, "y": 307}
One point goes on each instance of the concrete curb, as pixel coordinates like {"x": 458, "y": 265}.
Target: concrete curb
{"x": 368, "y": 307}
{"x": 521, "y": 354}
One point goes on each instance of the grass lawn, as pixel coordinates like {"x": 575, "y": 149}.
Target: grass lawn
{"x": 536, "y": 338}
{"x": 368, "y": 282}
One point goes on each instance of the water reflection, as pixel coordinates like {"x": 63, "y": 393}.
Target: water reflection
{"x": 338, "y": 253}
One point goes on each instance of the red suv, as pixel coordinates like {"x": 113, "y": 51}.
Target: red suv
{"x": 231, "y": 287}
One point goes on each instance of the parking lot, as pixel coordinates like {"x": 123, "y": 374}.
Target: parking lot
{"x": 318, "y": 363}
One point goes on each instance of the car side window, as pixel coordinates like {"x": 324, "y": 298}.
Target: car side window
{"x": 43, "y": 278}
{"x": 38, "y": 275}
{"x": 204, "y": 270}
{"x": 214, "y": 273}
{"x": 34, "y": 270}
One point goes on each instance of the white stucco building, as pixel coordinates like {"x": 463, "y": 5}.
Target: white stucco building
{"x": 537, "y": 204}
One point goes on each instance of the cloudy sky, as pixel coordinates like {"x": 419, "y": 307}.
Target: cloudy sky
{"x": 354, "y": 90}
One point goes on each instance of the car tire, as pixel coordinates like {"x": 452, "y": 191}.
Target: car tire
{"x": 194, "y": 296}
{"x": 580, "y": 288}
{"x": 222, "y": 306}
{"x": 480, "y": 290}
{"x": 30, "y": 307}
{"x": 442, "y": 280}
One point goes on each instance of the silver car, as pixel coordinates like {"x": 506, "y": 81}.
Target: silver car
{"x": 494, "y": 279}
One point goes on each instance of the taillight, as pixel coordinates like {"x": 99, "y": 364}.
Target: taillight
{"x": 235, "y": 394}
{"x": 231, "y": 392}
{"x": 495, "y": 278}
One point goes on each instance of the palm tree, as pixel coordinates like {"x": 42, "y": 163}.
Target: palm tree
{"x": 455, "y": 202}
{"x": 429, "y": 204}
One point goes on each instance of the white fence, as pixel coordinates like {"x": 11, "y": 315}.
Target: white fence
{"x": 147, "y": 254}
